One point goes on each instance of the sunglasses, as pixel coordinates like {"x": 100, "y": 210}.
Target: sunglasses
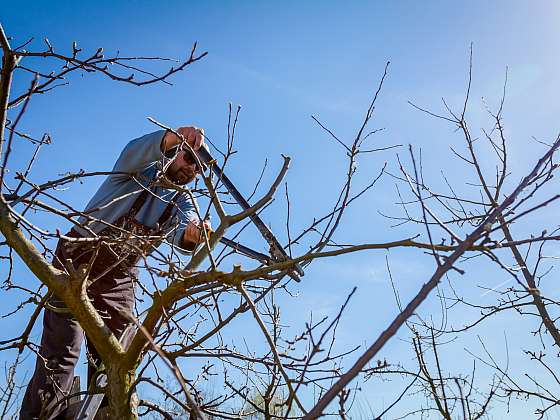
{"x": 188, "y": 157}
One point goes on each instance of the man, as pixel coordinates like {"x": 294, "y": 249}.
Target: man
{"x": 130, "y": 214}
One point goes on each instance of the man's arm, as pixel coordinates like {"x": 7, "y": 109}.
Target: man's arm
{"x": 193, "y": 235}
{"x": 187, "y": 233}
{"x": 193, "y": 135}
{"x": 144, "y": 151}
{"x": 140, "y": 153}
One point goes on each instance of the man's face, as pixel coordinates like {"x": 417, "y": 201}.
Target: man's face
{"x": 183, "y": 169}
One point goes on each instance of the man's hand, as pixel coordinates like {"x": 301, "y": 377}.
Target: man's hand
{"x": 194, "y": 235}
{"x": 193, "y": 135}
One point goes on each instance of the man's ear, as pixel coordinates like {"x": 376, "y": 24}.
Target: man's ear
{"x": 168, "y": 158}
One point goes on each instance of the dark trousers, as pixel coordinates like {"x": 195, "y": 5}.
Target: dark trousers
{"x": 113, "y": 297}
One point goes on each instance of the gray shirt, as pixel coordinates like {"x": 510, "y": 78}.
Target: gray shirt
{"x": 136, "y": 167}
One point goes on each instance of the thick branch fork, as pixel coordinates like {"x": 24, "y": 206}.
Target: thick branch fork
{"x": 67, "y": 287}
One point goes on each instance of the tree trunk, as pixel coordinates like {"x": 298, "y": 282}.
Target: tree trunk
{"x": 123, "y": 404}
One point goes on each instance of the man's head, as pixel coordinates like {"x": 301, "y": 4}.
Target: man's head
{"x": 183, "y": 168}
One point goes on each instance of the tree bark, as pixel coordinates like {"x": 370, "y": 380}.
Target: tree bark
{"x": 122, "y": 403}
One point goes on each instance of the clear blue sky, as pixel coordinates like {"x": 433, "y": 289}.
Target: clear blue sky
{"x": 282, "y": 62}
